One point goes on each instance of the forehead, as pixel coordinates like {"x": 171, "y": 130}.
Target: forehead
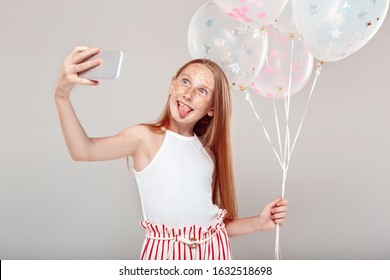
{"x": 199, "y": 73}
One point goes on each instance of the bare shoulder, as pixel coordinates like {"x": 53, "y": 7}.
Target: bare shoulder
{"x": 146, "y": 136}
{"x": 140, "y": 132}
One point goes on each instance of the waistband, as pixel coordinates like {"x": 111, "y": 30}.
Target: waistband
{"x": 190, "y": 235}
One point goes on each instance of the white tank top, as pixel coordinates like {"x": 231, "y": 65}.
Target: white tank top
{"x": 175, "y": 187}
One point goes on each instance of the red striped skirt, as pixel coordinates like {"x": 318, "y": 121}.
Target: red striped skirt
{"x": 186, "y": 243}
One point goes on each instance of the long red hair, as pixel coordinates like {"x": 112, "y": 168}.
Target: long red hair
{"x": 214, "y": 132}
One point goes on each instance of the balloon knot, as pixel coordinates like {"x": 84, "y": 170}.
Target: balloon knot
{"x": 319, "y": 66}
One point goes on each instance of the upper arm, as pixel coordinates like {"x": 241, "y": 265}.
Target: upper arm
{"x": 124, "y": 144}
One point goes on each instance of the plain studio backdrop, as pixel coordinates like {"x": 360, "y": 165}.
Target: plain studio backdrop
{"x": 52, "y": 207}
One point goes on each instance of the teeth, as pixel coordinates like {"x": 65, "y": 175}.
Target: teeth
{"x": 182, "y": 105}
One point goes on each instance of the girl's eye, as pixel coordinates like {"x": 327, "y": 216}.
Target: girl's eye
{"x": 203, "y": 91}
{"x": 185, "y": 82}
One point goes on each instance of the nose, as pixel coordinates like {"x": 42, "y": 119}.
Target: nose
{"x": 189, "y": 94}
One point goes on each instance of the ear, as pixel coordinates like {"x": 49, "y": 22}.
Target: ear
{"x": 211, "y": 112}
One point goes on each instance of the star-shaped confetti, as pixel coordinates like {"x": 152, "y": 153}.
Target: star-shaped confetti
{"x": 313, "y": 9}
{"x": 362, "y": 14}
{"x": 219, "y": 42}
{"x": 346, "y": 7}
{"x": 209, "y": 23}
{"x": 206, "y": 48}
{"x": 242, "y": 29}
{"x": 336, "y": 33}
{"x": 235, "y": 68}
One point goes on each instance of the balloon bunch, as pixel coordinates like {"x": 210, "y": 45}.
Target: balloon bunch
{"x": 268, "y": 47}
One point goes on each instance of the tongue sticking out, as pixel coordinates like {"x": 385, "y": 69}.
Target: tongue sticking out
{"x": 183, "y": 111}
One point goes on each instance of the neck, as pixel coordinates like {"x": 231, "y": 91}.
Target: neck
{"x": 182, "y": 129}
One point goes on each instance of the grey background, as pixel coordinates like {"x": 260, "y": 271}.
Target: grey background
{"x": 54, "y": 208}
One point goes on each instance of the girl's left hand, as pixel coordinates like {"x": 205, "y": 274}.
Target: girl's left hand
{"x": 272, "y": 214}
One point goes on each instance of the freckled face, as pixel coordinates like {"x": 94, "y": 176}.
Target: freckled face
{"x": 191, "y": 94}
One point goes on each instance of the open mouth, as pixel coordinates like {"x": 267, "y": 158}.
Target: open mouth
{"x": 184, "y": 109}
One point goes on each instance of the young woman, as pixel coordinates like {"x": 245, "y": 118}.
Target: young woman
{"x": 182, "y": 162}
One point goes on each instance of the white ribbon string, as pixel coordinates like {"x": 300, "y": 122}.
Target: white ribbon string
{"x": 284, "y": 158}
{"x": 318, "y": 73}
{"x": 247, "y": 97}
{"x": 277, "y": 129}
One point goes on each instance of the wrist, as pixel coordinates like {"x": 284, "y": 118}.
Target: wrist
{"x": 257, "y": 226}
{"x": 63, "y": 88}
{"x": 61, "y": 96}
{"x": 63, "y": 91}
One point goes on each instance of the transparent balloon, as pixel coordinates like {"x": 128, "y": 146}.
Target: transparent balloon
{"x": 239, "y": 49}
{"x": 255, "y": 13}
{"x": 335, "y": 29}
{"x": 285, "y": 22}
{"x": 273, "y": 82}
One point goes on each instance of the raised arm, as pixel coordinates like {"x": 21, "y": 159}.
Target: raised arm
{"x": 80, "y": 146}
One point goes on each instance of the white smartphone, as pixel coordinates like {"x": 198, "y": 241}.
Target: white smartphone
{"x": 109, "y": 68}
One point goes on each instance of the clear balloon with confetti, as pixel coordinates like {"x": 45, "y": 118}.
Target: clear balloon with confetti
{"x": 333, "y": 30}
{"x": 239, "y": 49}
{"x": 288, "y": 67}
{"x": 285, "y": 22}
{"x": 255, "y": 13}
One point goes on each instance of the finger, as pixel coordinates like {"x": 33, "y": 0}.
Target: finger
{"x": 273, "y": 203}
{"x": 87, "y": 82}
{"x": 86, "y": 65}
{"x": 279, "y": 221}
{"x": 83, "y": 81}
{"x": 279, "y": 209}
{"x": 79, "y": 49}
{"x": 82, "y": 55}
{"x": 282, "y": 202}
{"x": 278, "y": 216}
{"x": 76, "y": 50}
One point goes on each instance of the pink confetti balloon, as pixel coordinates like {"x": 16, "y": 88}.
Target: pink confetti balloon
{"x": 256, "y": 13}
{"x": 273, "y": 80}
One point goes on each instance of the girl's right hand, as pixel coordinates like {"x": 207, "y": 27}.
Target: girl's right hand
{"x": 74, "y": 64}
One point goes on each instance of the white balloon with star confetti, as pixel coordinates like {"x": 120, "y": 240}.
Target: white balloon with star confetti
{"x": 335, "y": 29}
{"x": 285, "y": 22}
{"x": 240, "y": 50}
